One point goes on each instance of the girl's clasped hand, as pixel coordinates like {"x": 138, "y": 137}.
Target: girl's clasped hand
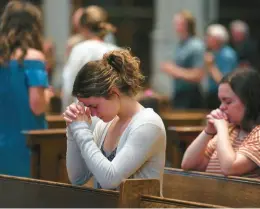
{"x": 77, "y": 112}
{"x": 215, "y": 119}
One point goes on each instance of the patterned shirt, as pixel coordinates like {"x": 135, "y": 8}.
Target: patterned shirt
{"x": 248, "y": 146}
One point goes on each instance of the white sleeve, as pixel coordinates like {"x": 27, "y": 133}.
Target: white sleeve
{"x": 140, "y": 145}
{"x": 77, "y": 169}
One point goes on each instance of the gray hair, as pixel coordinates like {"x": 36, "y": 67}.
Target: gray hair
{"x": 218, "y": 31}
{"x": 239, "y": 25}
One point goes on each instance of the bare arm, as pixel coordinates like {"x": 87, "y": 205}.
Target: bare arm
{"x": 37, "y": 99}
{"x": 231, "y": 163}
{"x": 194, "y": 157}
{"x": 193, "y": 75}
{"x": 196, "y": 72}
{"x": 215, "y": 73}
{"x": 38, "y": 102}
{"x": 228, "y": 64}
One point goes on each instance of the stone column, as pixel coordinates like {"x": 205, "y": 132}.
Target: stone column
{"x": 57, "y": 28}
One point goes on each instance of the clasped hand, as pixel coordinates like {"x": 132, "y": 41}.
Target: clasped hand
{"x": 77, "y": 112}
{"x": 209, "y": 59}
{"x": 216, "y": 120}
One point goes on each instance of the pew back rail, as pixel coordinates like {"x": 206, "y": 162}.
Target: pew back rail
{"x": 211, "y": 188}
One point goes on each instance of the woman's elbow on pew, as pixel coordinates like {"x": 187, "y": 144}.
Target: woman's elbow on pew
{"x": 110, "y": 184}
{"x": 185, "y": 165}
{"x": 198, "y": 165}
{"x": 78, "y": 181}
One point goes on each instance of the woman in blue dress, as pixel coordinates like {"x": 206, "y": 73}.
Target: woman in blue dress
{"x": 23, "y": 81}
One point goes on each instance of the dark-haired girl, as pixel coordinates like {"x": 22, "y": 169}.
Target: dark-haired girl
{"x": 230, "y": 143}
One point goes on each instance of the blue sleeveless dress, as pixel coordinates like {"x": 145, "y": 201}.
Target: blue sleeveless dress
{"x": 16, "y": 115}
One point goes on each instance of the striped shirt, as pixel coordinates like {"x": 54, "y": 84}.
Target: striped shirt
{"x": 248, "y": 146}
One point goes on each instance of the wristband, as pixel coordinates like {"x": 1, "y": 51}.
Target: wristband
{"x": 210, "y": 134}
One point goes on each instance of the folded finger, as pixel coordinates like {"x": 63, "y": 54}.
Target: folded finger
{"x": 68, "y": 120}
{"x": 212, "y": 121}
{"x": 220, "y": 113}
{"x": 214, "y": 114}
{"x": 80, "y": 107}
{"x": 73, "y": 108}
{"x": 69, "y": 114}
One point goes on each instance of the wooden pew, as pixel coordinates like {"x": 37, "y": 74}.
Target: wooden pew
{"x": 55, "y": 104}
{"x": 211, "y": 189}
{"x": 180, "y": 118}
{"x": 23, "y": 192}
{"x": 135, "y": 193}
{"x": 55, "y": 121}
{"x": 178, "y": 139}
{"x": 170, "y": 118}
{"x": 147, "y": 201}
{"x": 184, "y": 118}
{"x": 48, "y": 150}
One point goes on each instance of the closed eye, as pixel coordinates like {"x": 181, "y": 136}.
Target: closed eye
{"x": 226, "y": 100}
{"x": 92, "y": 106}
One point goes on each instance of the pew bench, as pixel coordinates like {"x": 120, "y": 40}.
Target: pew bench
{"x": 55, "y": 121}
{"x": 183, "y": 118}
{"x": 24, "y": 192}
{"x": 211, "y": 188}
{"x": 178, "y": 139}
{"x": 170, "y": 118}
{"x": 48, "y": 150}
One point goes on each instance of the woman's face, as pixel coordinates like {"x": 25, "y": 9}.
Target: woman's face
{"x": 211, "y": 42}
{"x": 103, "y": 108}
{"x": 180, "y": 26}
{"x": 231, "y": 104}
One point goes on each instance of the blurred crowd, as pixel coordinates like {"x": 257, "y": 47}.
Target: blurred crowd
{"x": 195, "y": 59}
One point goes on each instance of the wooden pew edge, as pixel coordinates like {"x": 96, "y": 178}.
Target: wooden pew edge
{"x": 146, "y": 186}
{"x": 170, "y": 171}
{"x": 56, "y": 184}
{"x": 184, "y": 129}
{"x": 132, "y": 189}
{"x": 177, "y": 201}
{"x": 45, "y": 132}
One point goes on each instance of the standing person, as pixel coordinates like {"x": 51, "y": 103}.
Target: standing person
{"x": 95, "y": 12}
{"x": 187, "y": 69}
{"x": 246, "y": 48}
{"x": 100, "y": 13}
{"x": 77, "y": 37}
{"x": 23, "y": 81}
{"x": 230, "y": 143}
{"x": 129, "y": 141}
{"x": 221, "y": 60}
{"x": 93, "y": 48}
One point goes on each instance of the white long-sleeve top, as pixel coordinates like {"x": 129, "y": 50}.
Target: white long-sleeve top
{"x": 82, "y": 53}
{"x": 140, "y": 152}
